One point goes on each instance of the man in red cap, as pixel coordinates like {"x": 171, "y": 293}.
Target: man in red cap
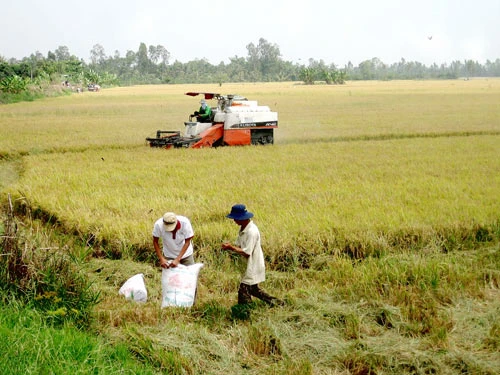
{"x": 248, "y": 245}
{"x": 176, "y": 233}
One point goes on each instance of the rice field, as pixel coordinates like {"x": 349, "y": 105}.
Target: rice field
{"x": 373, "y": 193}
{"x": 378, "y": 205}
{"x": 368, "y": 164}
{"x": 359, "y": 110}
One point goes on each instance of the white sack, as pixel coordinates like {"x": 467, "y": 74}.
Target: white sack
{"x": 178, "y": 285}
{"x": 135, "y": 289}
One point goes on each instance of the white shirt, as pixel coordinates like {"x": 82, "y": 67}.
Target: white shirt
{"x": 173, "y": 246}
{"x": 249, "y": 241}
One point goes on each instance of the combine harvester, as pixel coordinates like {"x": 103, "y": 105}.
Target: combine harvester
{"x": 235, "y": 121}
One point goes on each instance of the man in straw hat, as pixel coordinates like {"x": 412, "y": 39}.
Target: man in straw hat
{"x": 248, "y": 246}
{"x": 176, "y": 233}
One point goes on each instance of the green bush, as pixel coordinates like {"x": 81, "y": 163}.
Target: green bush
{"x": 13, "y": 84}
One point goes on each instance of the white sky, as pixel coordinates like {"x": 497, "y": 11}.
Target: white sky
{"x": 336, "y": 31}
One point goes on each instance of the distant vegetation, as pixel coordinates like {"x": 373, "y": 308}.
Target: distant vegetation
{"x": 29, "y": 77}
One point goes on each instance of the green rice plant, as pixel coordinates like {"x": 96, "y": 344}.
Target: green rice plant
{"x": 262, "y": 341}
{"x": 242, "y": 312}
{"x": 493, "y": 339}
{"x": 291, "y": 366}
{"x": 468, "y": 364}
{"x": 146, "y": 350}
{"x": 61, "y": 291}
{"x": 30, "y": 346}
{"x": 360, "y": 360}
{"x": 211, "y": 313}
{"x": 387, "y": 317}
{"x": 348, "y": 322}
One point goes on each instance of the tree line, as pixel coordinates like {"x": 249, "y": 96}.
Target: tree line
{"x": 263, "y": 63}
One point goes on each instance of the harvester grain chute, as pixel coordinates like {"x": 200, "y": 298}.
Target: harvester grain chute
{"x": 235, "y": 121}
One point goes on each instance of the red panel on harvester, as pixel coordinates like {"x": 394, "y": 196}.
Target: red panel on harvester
{"x": 237, "y": 137}
{"x": 210, "y": 136}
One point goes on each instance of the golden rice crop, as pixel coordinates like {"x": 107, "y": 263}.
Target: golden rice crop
{"x": 367, "y": 165}
{"x": 301, "y": 194}
{"x": 126, "y": 116}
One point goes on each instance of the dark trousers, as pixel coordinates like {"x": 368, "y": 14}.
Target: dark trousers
{"x": 245, "y": 293}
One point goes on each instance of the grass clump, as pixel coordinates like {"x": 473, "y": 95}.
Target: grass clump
{"x": 156, "y": 355}
{"x": 45, "y": 279}
{"x": 31, "y": 346}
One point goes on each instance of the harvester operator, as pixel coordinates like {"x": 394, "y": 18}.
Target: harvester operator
{"x": 205, "y": 112}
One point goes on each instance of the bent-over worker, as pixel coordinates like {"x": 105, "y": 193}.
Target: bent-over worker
{"x": 176, "y": 234}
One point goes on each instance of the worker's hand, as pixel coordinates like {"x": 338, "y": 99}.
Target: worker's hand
{"x": 196, "y": 113}
{"x": 173, "y": 263}
{"x": 164, "y": 263}
{"x": 227, "y": 246}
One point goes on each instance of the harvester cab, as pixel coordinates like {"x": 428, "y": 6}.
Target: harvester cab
{"x": 234, "y": 121}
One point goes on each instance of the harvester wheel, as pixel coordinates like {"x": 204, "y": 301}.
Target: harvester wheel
{"x": 262, "y": 137}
